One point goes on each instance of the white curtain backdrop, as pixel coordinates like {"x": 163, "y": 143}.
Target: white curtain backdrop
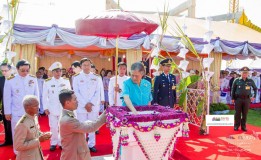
{"x": 48, "y": 37}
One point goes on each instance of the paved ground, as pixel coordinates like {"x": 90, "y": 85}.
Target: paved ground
{"x": 106, "y": 157}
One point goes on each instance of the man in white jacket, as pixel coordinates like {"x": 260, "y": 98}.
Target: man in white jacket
{"x": 51, "y": 104}
{"x": 87, "y": 90}
{"x": 113, "y": 87}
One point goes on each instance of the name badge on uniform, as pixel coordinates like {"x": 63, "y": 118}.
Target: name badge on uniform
{"x": 52, "y": 85}
{"x": 173, "y": 87}
{"x": 247, "y": 87}
{"x": 61, "y": 85}
{"x": 31, "y": 83}
{"x": 93, "y": 79}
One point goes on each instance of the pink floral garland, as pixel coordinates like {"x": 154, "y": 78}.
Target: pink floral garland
{"x": 140, "y": 128}
{"x": 118, "y": 149}
{"x": 141, "y": 146}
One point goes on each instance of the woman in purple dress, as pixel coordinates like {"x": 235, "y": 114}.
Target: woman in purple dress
{"x": 106, "y": 80}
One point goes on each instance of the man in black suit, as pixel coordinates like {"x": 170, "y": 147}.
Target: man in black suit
{"x": 6, "y": 72}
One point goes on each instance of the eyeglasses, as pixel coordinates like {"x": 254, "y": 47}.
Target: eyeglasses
{"x": 24, "y": 70}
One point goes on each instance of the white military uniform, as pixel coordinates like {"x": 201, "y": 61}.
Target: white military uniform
{"x": 102, "y": 94}
{"x": 15, "y": 89}
{"x": 51, "y": 91}
{"x": 87, "y": 90}
{"x": 111, "y": 92}
{"x": 256, "y": 79}
{"x": 40, "y": 82}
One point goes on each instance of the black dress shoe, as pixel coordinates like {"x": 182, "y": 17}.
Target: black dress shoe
{"x": 52, "y": 148}
{"x": 97, "y": 132}
{"x": 61, "y": 148}
{"x": 235, "y": 128}
{"x": 87, "y": 139}
{"x": 244, "y": 129}
{"x": 93, "y": 149}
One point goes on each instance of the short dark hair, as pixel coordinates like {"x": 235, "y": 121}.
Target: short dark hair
{"x": 76, "y": 64}
{"x": 84, "y": 60}
{"x": 107, "y": 71}
{"x": 7, "y": 65}
{"x": 65, "y": 95}
{"x": 92, "y": 66}
{"x": 41, "y": 68}
{"x": 22, "y": 63}
{"x": 122, "y": 64}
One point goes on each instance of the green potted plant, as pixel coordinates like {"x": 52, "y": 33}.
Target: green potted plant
{"x": 219, "y": 108}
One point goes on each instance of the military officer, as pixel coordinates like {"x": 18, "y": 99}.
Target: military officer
{"x": 165, "y": 86}
{"x": 241, "y": 96}
{"x": 51, "y": 104}
{"x": 73, "y": 131}
{"x": 27, "y": 136}
{"x": 122, "y": 69}
{"x": 145, "y": 64}
{"x": 16, "y": 87}
{"x": 87, "y": 90}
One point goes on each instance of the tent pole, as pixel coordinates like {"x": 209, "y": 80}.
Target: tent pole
{"x": 116, "y": 69}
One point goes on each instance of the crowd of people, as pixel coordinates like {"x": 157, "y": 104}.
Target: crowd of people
{"x": 73, "y": 100}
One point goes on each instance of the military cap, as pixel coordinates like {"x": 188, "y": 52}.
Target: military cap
{"x": 55, "y": 65}
{"x": 244, "y": 69}
{"x": 166, "y": 61}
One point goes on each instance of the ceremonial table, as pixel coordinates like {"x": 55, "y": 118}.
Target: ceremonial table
{"x": 151, "y": 134}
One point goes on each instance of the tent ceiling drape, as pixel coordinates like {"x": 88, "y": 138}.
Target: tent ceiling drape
{"x": 233, "y": 39}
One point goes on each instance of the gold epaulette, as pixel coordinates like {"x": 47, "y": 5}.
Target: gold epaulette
{"x": 76, "y": 74}
{"x": 22, "y": 119}
{"x": 10, "y": 77}
{"x": 48, "y": 79}
{"x": 65, "y": 78}
{"x": 69, "y": 114}
{"x": 32, "y": 75}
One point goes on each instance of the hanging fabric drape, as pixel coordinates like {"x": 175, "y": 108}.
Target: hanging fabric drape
{"x": 214, "y": 83}
{"x": 132, "y": 56}
{"x": 48, "y": 37}
{"x": 26, "y": 52}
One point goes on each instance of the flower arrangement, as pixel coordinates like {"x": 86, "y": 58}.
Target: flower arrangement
{"x": 186, "y": 79}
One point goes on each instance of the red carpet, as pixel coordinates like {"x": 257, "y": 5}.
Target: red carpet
{"x": 103, "y": 144}
{"x": 223, "y": 143}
